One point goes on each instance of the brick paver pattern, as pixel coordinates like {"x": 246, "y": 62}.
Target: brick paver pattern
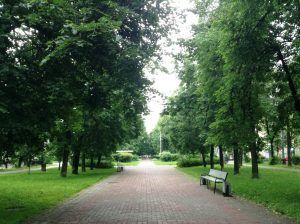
{"x": 155, "y": 194}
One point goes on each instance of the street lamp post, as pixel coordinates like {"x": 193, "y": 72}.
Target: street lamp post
{"x": 160, "y": 142}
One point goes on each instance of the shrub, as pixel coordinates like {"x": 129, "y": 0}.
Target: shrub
{"x": 261, "y": 159}
{"x": 135, "y": 158}
{"x": 275, "y": 160}
{"x": 216, "y": 160}
{"x": 167, "y": 156}
{"x": 106, "y": 164}
{"x": 188, "y": 162}
{"x": 296, "y": 160}
{"x": 125, "y": 157}
{"x": 247, "y": 158}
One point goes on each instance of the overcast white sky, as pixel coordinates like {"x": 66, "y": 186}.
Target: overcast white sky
{"x": 168, "y": 83}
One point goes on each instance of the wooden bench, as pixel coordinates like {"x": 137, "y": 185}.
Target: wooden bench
{"x": 215, "y": 176}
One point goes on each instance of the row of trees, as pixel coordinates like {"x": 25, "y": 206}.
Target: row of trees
{"x": 239, "y": 83}
{"x": 71, "y": 76}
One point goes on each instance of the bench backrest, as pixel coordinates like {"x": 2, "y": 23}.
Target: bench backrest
{"x": 218, "y": 174}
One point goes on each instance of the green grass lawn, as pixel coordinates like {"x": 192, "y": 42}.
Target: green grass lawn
{"x": 267, "y": 165}
{"x": 23, "y": 195}
{"x": 278, "y": 190}
{"x": 159, "y": 162}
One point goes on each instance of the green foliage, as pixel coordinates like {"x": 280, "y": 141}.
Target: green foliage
{"x": 186, "y": 161}
{"x": 125, "y": 157}
{"x": 296, "y": 160}
{"x": 275, "y": 160}
{"x": 72, "y": 72}
{"x": 107, "y": 164}
{"x": 247, "y": 158}
{"x": 168, "y": 156}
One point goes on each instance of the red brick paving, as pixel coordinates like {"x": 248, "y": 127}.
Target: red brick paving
{"x": 149, "y": 194}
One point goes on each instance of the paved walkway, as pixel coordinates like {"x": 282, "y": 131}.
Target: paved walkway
{"x": 155, "y": 194}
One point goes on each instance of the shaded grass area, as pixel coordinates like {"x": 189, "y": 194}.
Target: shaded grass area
{"x": 159, "y": 162}
{"x": 23, "y": 195}
{"x": 278, "y": 190}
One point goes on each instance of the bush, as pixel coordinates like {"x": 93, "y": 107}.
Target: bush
{"x": 135, "y": 158}
{"x": 296, "y": 160}
{"x": 167, "y": 156}
{"x": 275, "y": 160}
{"x": 106, "y": 164}
{"x": 188, "y": 162}
{"x": 125, "y": 157}
{"x": 261, "y": 159}
{"x": 216, "y": 160}
{"x": 247, "y": 158}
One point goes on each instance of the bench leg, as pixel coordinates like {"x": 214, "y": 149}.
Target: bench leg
{"x": 215, "y": 187}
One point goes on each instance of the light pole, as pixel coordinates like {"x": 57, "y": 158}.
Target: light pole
{"x": 160, "y": 142}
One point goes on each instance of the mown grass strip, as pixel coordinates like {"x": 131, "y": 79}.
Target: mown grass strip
{"x": 278, "y": 190}
{"x": 23, "y": 195}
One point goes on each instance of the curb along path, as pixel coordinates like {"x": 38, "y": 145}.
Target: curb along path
{"x": 154, "y": 194}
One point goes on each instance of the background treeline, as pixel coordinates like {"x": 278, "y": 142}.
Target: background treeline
{"x": 239, "y": 83}
{"x": 71, "y": 76}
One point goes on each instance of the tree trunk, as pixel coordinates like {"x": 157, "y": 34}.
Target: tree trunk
{"x": 212, "y": 157}
{"x": 221, "y": 157}
{"x": 291, "y": 82}
{"x": 43, "y": 165}
{"x": 254, "y": 158}
{"x": 272, "y": 147}
{"x": 92, "y": 162}
{"x": 59, "y": 164}
{"x": 240, "y": 157}
{"x": 20, "y": 161}
{"x": 99, "y": 160}
{"x": 236, "y": 166}
{"x": 289, "y": 143}
{"x": 203, "y": 159}
{"x": 75, "y": 164}
{"x": 65, "y": 157}
{"x": 29, "y": 164}
{"x": 83, "y": 168}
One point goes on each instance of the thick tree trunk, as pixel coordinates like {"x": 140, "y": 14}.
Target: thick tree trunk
{"x": 83, "y": 168}
{"x": 212, "y": 165}
{"x": 203, "y": 159}
{"x": 43, "y": 165}
{"x": 92, "y": 162}
{"x": 254, "y": 158}
{"x": 65, "y": 156}
{"x": 99, "y": 160}
{"x": 20, "y": 161}
{"x": 289, "y": 143}
{"x": 75, "y": 164}
{"x": 236, "y": 166}
{"x": 221, "y": 157}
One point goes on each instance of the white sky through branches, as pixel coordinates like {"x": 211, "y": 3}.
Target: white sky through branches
{"x": 167, "y": 83}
